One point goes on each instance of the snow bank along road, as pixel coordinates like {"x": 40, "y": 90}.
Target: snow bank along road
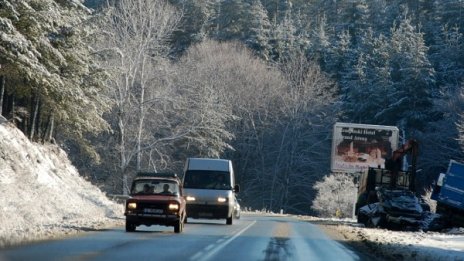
{"x": 396, "y": 245}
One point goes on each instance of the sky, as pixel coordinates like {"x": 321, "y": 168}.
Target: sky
{"x": 42, "y": 196}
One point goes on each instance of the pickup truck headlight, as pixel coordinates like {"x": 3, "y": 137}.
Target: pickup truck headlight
{"x": 221, "y": 199}
{"x": 132, "y": 205}
{"x": 190, "y": 198}
{"x": 173, "y": 206}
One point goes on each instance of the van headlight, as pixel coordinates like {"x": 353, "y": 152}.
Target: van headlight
{"x": 190, "y": 198}
{"x": 221, "y": 199}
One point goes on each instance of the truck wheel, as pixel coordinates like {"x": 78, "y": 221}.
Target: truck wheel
{"x": 130, "y": 227}
{"x": 361, "y": 218}
{"x": 179, "y": 226}
{"x": 229, "y": 220}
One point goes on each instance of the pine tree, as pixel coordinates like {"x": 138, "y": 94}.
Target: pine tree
{"x": 230, "y": 22}
{"x": 413, "y": 78}
{"x": 197, "y": 23}
{"x": 258, "y": 29}
{"x": 283, "y": 38}
{"x": 366, "y": 85}
{"x": 44, "y": 47}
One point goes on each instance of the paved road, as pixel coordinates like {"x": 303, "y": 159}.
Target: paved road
{"x": 250, "y": 238}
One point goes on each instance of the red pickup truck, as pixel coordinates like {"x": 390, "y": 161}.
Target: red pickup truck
{"x": 155, "y": 199}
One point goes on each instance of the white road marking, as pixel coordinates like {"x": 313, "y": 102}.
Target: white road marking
{"x": 208, "y": 248}
{"x": 201, "y": 256}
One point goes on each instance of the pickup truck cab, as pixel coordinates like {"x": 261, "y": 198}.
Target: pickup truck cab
{"x": 155, "y": 199}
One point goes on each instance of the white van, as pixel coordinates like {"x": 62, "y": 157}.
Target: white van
{"x": 209, "y": 188}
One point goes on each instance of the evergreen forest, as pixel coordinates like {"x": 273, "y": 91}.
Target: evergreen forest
{"x": 131, "y": 85}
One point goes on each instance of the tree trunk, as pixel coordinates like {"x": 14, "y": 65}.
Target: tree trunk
{"x": 140, "y": 130}
{"x": 48, "y": 135}
{"x": 122, "y": 150}
{"x": 142, "y": 114}
{"x": 2, "y": 92}
{"x": 13, "y": 108}
{"x": 35, "y": 111}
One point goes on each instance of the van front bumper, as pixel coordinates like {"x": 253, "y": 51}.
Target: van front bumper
{"x": 209, "y": 211}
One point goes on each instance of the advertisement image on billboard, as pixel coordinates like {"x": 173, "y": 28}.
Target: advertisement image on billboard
{"x": 356, "y": 147}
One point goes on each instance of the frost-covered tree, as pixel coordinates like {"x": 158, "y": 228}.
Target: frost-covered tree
{"x": 283, "y": 38}
{"x": 258, "y": 29}
{"x": 367, "y": 84}
{"x": 230, "y": 21}
{"x": 393, "y": 81}
{"x": 210, "y": 77}
{"x": 357, "y": 19}
{"x": 447, "y": 54}
{"x": 413, "y": 79}
{"x": 198, "y": 21}
{"x": 135, "y": 36}
{"x": 341, "y": 55}
{"x": 336, "y": 195}
{"x": 300, "y": 140}
{"x": 46, "y": 59}
{"x": 321, "y": 41}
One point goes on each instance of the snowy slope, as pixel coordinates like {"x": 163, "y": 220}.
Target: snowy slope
{"x": 42, "y": 194}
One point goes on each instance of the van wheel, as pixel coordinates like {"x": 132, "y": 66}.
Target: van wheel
{"x": 229, "y": 220}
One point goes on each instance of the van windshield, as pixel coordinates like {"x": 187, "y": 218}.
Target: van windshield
{"x": 207, "y": 179}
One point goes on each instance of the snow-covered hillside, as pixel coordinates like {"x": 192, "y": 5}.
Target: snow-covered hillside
{"x": 42, "y": 194}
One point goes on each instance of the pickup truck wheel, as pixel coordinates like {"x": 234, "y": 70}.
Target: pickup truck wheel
{"x": 179, "y": 226}
{"x": 130, "y": 227}
{"x": 229, "y": 220}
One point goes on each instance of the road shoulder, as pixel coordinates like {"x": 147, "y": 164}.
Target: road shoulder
{"x": 351, "y": 240}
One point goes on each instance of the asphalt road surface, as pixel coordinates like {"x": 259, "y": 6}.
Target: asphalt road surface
{"x": 250, "y": 238}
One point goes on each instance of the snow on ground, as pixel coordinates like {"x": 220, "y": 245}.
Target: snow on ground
{"x": 42, "y": 194}
{"x": 397, "y": 245}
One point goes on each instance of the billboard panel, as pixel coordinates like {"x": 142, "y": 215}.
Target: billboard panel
{"x": 356, "y": 147}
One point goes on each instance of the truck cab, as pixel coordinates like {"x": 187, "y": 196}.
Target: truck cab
{"x": 449, "y": 194}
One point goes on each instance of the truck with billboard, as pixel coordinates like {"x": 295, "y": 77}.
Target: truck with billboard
{"x": 356, "y": 147}
{"x": 386, "y": 192}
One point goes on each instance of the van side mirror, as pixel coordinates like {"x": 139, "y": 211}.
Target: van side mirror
{"x": 236, "y": 188}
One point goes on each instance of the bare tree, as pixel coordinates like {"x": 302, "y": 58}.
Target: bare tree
{"x": 336, "y": 196}
{"x": 135, "y": 36}
{"x": 302, "y": 132}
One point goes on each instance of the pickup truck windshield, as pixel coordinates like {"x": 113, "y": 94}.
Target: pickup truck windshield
{"x": 207, "y": 179}
{"x": 154, "y": 187}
